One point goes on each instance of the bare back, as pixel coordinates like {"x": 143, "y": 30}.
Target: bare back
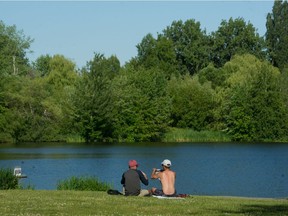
{"x": 167, "y": 178}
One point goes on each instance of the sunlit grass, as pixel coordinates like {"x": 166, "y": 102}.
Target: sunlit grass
{"x": 74, "y": 139}
{"x": 189, "y": 135}
{"x": 88, "y": 183}
{"x": 178, "y": 135}
{"x": 36, "y": 202}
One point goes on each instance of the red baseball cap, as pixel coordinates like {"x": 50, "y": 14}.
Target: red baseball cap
{"x": 133, "y": 163}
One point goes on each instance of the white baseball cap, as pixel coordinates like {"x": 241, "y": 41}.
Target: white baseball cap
{"x": 166, "y": 163}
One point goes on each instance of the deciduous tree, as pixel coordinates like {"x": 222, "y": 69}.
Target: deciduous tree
{"x": 94, "y": 100}
{"x": 277, "y": 34}
{"x": 254, "y": 107}
{"x": 13, "y": 48}
{"x": 235, "y": 37}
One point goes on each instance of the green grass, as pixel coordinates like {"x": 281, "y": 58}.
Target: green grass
{"x": 88, "y": 183}
{"x": 74, "y": 139}
{"x": 37, "y": 202}
{"x": 189, "y": 135}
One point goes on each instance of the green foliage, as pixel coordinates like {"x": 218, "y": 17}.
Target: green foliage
{"x": 27, "y": 118}
{"x": 191, "y": 45}
{"x": 39, "y": 109}
{"x": 142, "y": 105}
{"x": 216, "y": 76}
{"x": 41, "y": 65}
{"x": 94, "y": 100}
{"x": 13, "y": 47}
{"x": 192, "y": 103}
{"x": 61, "y": 73}
{"x": 189, "y": 135}
{"x": 158, "y": 53}
{"x": 61, "y": 83}
{"x": 277, "y": 34}
{"x": 7, "y": 179}
{"x": 254, "y": 109}
{"x": 182, "y": 78}
{"x": 83, "y": 184}
{"x": 235, "y": 37}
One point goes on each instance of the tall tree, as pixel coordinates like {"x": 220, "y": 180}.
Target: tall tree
{"x": 41, "y": 65}
{"x": 157, "y": 53}
{"x": 191, "y": 45}
{"x": 142, "y": 105}
{"x": 60, "y": 81}
{"x": 13, "y": 48}
{"x": 94, "y": 101}
{"x": 235, "y": 37}
{"x": 40, "y": 109}
{"x": 277, "y": 34}
{"x": 192, "y": 103}
{"x": 254, "y": 108}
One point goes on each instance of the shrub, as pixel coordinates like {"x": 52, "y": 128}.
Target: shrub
{"x": 83, "y": 184}
{"x": 7, "y": 179}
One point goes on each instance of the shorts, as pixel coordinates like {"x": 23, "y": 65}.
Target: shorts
{"x": 159, "y": 192}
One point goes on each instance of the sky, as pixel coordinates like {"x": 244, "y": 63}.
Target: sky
{"x": 79, "y": 29}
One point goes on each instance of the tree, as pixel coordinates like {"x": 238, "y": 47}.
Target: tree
{"x": 193, "y": 103}
{"x": 41, "y": 65}
{"x": 235, "y": 37}
{"x": 142, "y": 105}
{"x": 277, "y": 34}
{"x": 61, "y": 71}
{"x": 94, "y": 100}
{"x": 60, "y": 81}
{"x": 254, "y": 108}
{"x": 191, "y": 45}
{"x": 40, "y": 109}
{"x": 24, "y": 111}
{"x": 158, "y": 53}
{"x": 216, "y": 76}
{"x": 13, "y": 47}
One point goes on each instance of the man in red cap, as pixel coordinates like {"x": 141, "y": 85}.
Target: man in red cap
{"x": 131, "y": 180}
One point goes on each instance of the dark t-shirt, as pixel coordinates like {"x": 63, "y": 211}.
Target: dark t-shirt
{"x": 131, "y": 180}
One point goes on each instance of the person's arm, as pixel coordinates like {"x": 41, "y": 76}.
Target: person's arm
{"x": 154, "y": 174}
{"x": 143, "y": 177}
{"x": 123, "y": 179}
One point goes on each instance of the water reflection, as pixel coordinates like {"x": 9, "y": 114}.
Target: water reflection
{"x": 202, "y": 169}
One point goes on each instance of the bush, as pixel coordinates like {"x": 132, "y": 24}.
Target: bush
{"x": 7, "y": 179}
{"x": 83, "y": 184}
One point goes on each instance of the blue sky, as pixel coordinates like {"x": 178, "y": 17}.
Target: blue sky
{"x": 78, "y": 29}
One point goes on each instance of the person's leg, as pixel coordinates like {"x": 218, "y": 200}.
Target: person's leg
{"x": 158, "y": 192}
{"x": 153, "y": 190}
{"x": 144, "y": 193}
{"x": 123, "y": 190}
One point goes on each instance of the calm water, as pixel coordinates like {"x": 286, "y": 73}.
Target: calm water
{"x": 202, "y": 169}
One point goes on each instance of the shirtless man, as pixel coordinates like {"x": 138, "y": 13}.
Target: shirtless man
{"x": 167, "y": 178}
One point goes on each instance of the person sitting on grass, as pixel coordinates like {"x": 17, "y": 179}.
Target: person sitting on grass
{"x": 131, "y": 180}
{"x": 167, "y": 178}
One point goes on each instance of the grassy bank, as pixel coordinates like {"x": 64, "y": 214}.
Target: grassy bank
{"x": 37, "y": 202}
{"x": 189, "y": 135}
{"x": 179, "y": 135}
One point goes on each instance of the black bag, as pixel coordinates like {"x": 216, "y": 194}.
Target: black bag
{"x": 114, "y": 192}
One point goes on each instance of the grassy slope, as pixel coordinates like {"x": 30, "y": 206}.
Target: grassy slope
{"x": 37, "y": 202}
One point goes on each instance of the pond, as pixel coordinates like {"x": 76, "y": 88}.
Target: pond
{"x": 249, "y": 170}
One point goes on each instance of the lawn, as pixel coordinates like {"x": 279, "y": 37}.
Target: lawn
{"x": 41, "y": 202}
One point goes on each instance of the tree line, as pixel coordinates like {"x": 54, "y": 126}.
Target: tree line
{"x": 231, "y": 80}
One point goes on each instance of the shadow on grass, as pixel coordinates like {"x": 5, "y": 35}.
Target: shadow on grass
{"x": 261, "y": 210}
